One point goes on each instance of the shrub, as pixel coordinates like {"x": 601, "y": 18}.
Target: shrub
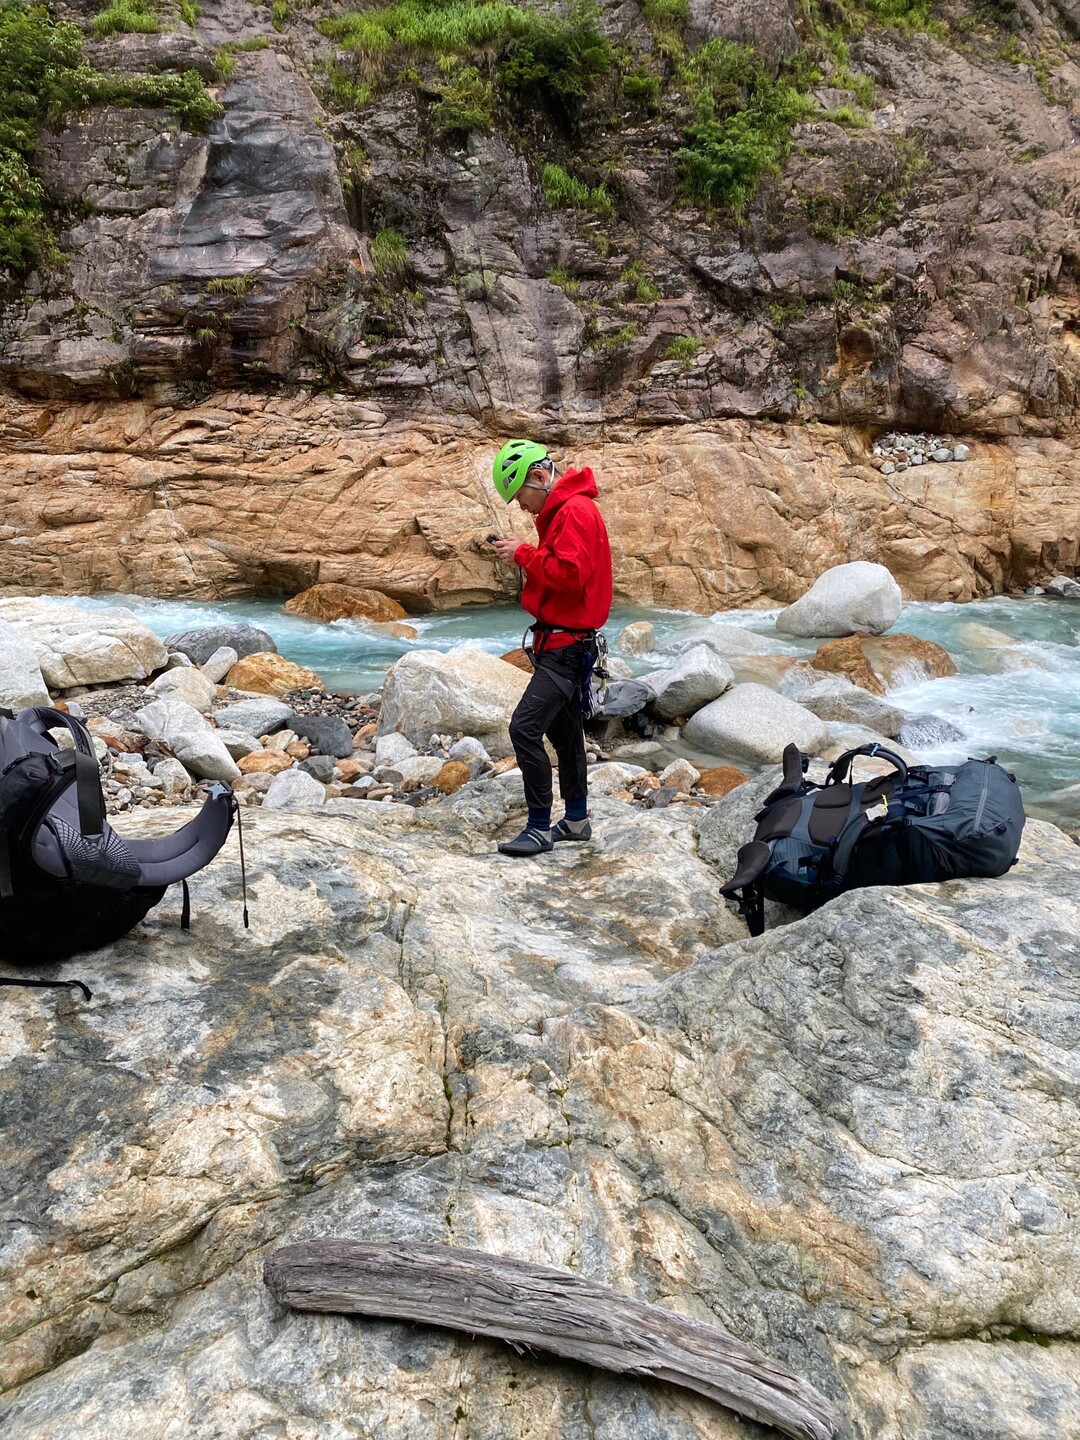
{"x": 564, "y": 191}
{"x": 279, "y": 13}
{"x": 345, "y": 91}
{"x": 683, "y": 347}
{"x": 125, "y": 17}
{"x": 747, "y": 117}
{"x": 388, "y": 252}
{"x": 466, "y": 102}
{"x": 557, "y": 62}
{"x": 566, "y": 283}
{"x": 190, "y": 12}
{"x": 641, "y": 287}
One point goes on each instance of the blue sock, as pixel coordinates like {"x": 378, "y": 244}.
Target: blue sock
{"x": 540, "y": 819}
{"x": 577, "y": 809}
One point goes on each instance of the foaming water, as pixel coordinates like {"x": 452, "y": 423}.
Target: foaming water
{"x": 1019, "y": 701}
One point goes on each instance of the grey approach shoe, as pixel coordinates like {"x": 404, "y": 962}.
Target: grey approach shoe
{"x": 572, "y": 830}
{"x": 531, "y": 841}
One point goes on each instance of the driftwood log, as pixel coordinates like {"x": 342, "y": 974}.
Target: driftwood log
{"x": 545, "y": 1309}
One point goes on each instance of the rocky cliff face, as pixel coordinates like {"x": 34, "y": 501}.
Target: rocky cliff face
{"x": 266, "y": 495}
{"x": 911, "y": 261}
{"x": 852, "y": 1141}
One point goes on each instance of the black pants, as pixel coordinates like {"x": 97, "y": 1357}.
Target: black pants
{"x": 551, "y": 706}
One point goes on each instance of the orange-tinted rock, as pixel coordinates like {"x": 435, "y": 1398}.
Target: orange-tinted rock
{"x": 453, "y": 775}
{"x": 265, "y": 762}
{"x": 344, "y": 602}
{"x": 270, "y": 674}
{"x": 884, "y": 662}
{"x": 519, "y": 658}
{"x": 298, "y": 750}
{"x": 114, "y": 735}
{"x": 508, "y": 762}
{"x": 719, "y": 779}
{"x": 365, "y": 733}
{"x": 351, "y": 769}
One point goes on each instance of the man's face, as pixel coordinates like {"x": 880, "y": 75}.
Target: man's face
{"x": 534, "y": 493}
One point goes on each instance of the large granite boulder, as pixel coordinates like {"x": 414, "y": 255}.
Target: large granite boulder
{"x": 200, "y": 644}
{"x": 186, "y": 684}
{"x": 846, "y": 600}
{"x": 754, "y": 723}
{"x": 344, "y": 602}
{"x": 698, "y": 676}
{"x": 21, "y": 681}
{"x": 428, "y": 693}
{"x": 853, "y": 1141}
{"x": 85, "y": 647}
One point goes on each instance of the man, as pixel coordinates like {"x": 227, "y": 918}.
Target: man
{"x": 568, "y": 590}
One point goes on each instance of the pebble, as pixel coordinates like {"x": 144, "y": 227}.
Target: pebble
{"x": 899, "y": 449}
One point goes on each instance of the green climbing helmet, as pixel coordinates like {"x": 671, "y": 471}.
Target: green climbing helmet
{"x": 512, "y": 465}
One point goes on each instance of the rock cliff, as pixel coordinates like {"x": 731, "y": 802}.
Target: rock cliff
{"x": 852, "y": 1141}
{"x": 266, "y": 495}
{"x": 358, "y": 273}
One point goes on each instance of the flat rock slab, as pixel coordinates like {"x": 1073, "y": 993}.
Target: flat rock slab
{"x": 85, "y": 647}
{"x": 849, "y": 1142}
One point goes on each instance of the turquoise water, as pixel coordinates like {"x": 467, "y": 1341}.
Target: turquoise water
{"x": 1021, "y": 703}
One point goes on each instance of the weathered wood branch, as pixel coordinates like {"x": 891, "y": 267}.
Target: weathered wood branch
{"x": 552, "y": 1310}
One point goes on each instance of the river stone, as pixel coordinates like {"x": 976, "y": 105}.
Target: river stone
{"x": 198, "y": 645}
{"x": 220, "y": 663}
{"x": 389, "y": 749}
{"x": 753, "y": 723}
{"x": 726, "y": 640}
{"x": 622, "y": 698}
{"x": 832, "y": 697}
{"x": 238, "y": 742}
{"x": 580, "y": 1073}
{"x": 259, "y": 715}
{"x": 294, "y": 790}
{"x": 85, "y": 647}
{"x": 885, "y": 662}
{"x": 427, "y": 692}
{"x": 697, "y": 677}
{"x": 319, "y": 767}
{"x": 327, "y": 734}
{"x": 189, "y": 685}
{"x": 343, "y": 602}
{"x": 613, "y": 775}
{"x": 470, "y": 751}
{"x": 171, "y": 776}
{"x": 268, "y": 673}
{"x": 845, "y": 600}
{"x": 926, "y": 732}
{"x": 179, "y": 726}
{"x": 636, "y": 638}
{"x": 21, "y": 682}
{"x": 1063, "y": 588}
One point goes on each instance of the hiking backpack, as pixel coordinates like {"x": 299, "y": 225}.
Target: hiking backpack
{"x": 915, "y": 825}
{"x": 68, "y": 881}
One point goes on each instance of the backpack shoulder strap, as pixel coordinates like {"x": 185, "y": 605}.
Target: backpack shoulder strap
{"x": 83, "y": 759}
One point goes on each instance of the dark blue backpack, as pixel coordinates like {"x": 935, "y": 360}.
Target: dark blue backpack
{"x": 915, "y": 825}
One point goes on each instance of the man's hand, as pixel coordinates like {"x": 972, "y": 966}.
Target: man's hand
{"x": 505, "y": 549}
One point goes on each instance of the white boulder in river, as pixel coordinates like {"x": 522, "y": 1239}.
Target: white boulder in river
{"x": 697, "y": 677}
{"x": 21, "y": 681}
{"x": 85, "y": 647}
{"x": 752, "y": 722}
{"x": 854, "y": 1141}
{"x": 859, "y": 597}
{"x": 427, "y": 693}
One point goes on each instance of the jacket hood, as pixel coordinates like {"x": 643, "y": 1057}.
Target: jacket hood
{"x": 572, "y": 482}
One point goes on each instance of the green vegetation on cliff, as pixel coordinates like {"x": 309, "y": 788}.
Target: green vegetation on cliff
{"x": 43, "y": 77}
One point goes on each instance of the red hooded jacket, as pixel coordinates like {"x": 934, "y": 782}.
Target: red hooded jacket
{"x": 568, "y": 575}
